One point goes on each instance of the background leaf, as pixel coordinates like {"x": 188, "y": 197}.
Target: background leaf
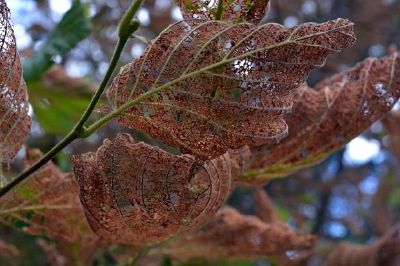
{"x": 329, "y": 116}
{"x": 73, "y": 27}
{"x": 56, "y": 96}
{"x": 48, "y": 205}
{"x": 234, "y": 10}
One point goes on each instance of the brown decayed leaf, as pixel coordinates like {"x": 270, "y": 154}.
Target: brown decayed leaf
{"x": 14, "y": 120}
{"x": 230, "y": 233}
{"x": 48, "y": 205}
{"x": 383, "y": 252}
{"x": 137, "y": 194}
{"x": 217, "y": 86}
{"x": 326, "y": 118}
{"x": 236, "y": 10}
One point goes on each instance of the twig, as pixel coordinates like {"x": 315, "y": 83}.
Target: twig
{"x": 126, "y": 28}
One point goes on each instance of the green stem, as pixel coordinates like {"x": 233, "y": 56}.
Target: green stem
{"x": 127, "y": 27}
{"x": 35, "y": 208}
{"x": 47, "y": 157}
{"x": 220, "y": 10}
{"x": 141, "y": 253}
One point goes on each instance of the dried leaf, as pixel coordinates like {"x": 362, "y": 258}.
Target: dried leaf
{"x": 231, "y": 233}
{"x": 326, "y": 118}
{"x": 383, "y": 252}
{"x": 234, "y": 10}
{"x": 137, "y": 194}
{"x": 48, "y": 205}
{"x": 212, "y": 86}
{"x": 14, "y": 120}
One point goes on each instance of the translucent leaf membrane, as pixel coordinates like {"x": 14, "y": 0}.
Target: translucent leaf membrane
{"x": 234, "y": 10}
{"x": 216, "y": 86}
{"x": 384, "y": 251}
{"x": 48, "y": 205}
{"x": 327, "y": 117}
{"x": 14, "y": 120}
{"x": 230, "y": 233}
{"x": 137, "y": 194}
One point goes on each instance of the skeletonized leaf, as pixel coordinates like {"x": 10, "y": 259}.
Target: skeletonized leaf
{"x": 207, "y": 87}
{"x": 48, "y": 205}
{"x": 14, "y": 120}
{"x": 231, "y": 233}
{"x": 234, "y": 10}
{"x": 326, "y": 118}
{"x": 384, "y": 251}
{"x": 137, "y": 194}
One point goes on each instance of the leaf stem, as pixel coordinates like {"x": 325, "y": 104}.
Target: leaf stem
{"x": 220, "y": 10}
{"x": 127, "y": 27}
{"x": 35, "y": 208}
{"x": 42, "y": 161}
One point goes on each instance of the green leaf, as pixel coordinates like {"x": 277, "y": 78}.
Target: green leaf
{"x": 73, "y": 27}
{"x": 57, "y": 109}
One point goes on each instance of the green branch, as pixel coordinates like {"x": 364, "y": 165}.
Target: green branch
{"x": 220, "y": 10}
{"x": 127, "y": 27}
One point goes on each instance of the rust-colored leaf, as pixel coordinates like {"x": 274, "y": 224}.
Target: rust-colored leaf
{"x": 137, "y": 194}
{"x": 48, "y": 205}
{"x": 383, "y": 252}
{"x": 14, "y": 120}
{"x": 327, "y": 117}
{"x": 210, "y": 86}
{"x": 234, "y": 10}
{"x": 231, "y": 233}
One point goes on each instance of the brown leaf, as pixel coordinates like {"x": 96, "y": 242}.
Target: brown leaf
{"x": 48, "y": 205}
{"x": 137, "y": 194}
{"x": 327, "y": 117}
{"x": 231, "y": 233}
{"x": 210, "y": 86}
{"x": 236, "y": 10}
{"x": 383, "y": 252}
{"x": 14, "y": 120}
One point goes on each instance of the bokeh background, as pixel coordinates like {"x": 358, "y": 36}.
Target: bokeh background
{"x": 354, "y": 195}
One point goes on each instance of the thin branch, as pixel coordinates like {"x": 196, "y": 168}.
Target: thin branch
{"x": 35, "y": 208}
{"x": 127, "y": 27}
{"x": 220, "y": 10}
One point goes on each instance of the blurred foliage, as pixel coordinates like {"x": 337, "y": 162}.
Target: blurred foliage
{"x": 52, "y": 103}
{"x": 73, "y": 27}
